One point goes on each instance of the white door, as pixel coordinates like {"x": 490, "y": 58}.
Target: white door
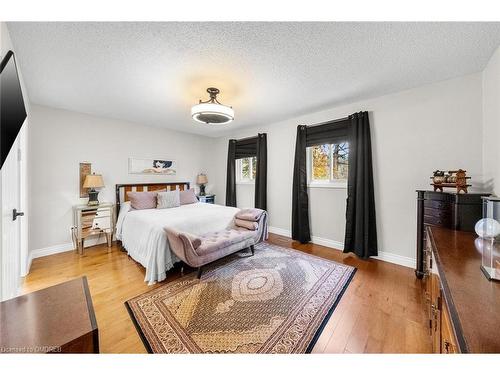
{"x": 13, "y": 226}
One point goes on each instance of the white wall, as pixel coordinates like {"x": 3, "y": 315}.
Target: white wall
{"x": 414, "y": 132}
{"x": 62, "y": 139}
{"x": 491, "y": 122}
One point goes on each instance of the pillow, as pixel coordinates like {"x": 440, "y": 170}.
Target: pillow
{"x": 169, "y": 199}
{"x": 142, "y": 200}
{"x": 188, "y": 196}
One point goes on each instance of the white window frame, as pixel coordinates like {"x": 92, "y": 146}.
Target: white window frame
{"x": 328, "y": 184}
{"x": 239, "y": 173}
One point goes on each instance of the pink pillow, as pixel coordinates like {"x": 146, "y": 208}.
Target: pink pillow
{"x": 142, "y": 200}
{"x": 188, "y": 196}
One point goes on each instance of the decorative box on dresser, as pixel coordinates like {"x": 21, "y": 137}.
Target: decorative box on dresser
{"x": 444, "y": 209}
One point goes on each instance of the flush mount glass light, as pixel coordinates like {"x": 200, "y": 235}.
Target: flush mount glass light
{"x": 211, "y": 111}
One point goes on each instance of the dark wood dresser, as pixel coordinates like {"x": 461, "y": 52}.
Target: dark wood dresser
{"x": 463, "y": 306}
{"x": 447, "y": 210}
{"x": 58, "y": 319}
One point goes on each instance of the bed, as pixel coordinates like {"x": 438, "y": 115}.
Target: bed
{"x": 142, "y": 231}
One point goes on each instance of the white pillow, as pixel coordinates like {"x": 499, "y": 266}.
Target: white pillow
{"x": 169, "y": 199}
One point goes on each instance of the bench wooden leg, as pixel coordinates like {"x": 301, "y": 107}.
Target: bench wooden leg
{"x": 200, "y": 270}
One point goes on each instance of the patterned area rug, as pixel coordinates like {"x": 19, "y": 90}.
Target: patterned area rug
{"x": 276, "y": 301}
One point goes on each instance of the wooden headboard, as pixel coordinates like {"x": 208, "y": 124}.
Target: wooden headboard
{"x": 123, "y": 189}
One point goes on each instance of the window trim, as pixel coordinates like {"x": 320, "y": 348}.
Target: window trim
{"x": 239, "y": 179}
{"x": 324, "y": 184}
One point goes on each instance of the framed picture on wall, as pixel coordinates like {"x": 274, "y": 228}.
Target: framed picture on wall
{"x": 152, "y": 166}
{"x": 85, "y": 169}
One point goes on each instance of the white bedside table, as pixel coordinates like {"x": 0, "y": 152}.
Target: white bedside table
{"x": 91, "y": 221}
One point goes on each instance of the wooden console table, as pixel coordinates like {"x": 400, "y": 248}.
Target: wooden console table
{"x": 463, "y": 306}
{"x": 58, "y": 319}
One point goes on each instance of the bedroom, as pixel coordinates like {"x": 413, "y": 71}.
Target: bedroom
{"x": 303, "y": 223}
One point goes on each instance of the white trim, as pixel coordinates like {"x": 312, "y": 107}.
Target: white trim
{"x": 334, "y": 184}
{"x": 280, "y": 231}
{"x": 28, "y": 265}
{"x": 245, "y": 182}
{"x": 396, "y": 259}
{"x": 336, "y": 245}
{"x": 50, "y": 250}
{"x": 61, "y": 248}
{"x": 327, "y": 242}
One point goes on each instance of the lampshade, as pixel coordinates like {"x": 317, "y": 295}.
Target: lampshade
{"x": 201, "y": 179}
{"x": 93, "y": 181}
{"x": 211, "y": 111}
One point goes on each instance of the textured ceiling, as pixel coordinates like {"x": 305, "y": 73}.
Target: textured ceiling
{"x": 151, "y": 73}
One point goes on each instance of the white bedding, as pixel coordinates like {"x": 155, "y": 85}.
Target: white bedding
{"x": 143, "y": 236}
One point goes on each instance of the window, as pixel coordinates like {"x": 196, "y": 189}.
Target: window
{"x": 328, "y": 164}
{"x": 246, "y": 169}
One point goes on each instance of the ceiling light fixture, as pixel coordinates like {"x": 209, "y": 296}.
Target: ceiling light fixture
{"x": 211, "y": 111}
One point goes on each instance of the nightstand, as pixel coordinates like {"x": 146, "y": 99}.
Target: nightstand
{"x": 90, "y": 221}
{"x": 209, "y": 198}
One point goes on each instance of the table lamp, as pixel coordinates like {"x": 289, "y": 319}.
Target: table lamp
{"x": 202, "y": 180}
{"x": 93, "y": 181}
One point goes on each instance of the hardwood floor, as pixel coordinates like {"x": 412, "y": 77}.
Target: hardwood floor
{"x": 380, "y": 312}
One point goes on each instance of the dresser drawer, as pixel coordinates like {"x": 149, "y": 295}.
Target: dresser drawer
{"x": 439, "y": 221}
{"x": 101, "y": 223}
{"x": 437, "y": 204}
{"x": 436, "y": 212}
{"x": 103, "y": 212}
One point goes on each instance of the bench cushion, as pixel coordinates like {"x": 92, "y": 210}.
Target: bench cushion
{"x": 212, "y": 242}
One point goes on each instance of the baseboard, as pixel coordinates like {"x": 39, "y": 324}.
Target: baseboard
{"x": 396, "y": 259}
{"x": 314, "y": 239}
{"x": 51, "y": 250}
{"x": 280, "y": 231}
{"x": 62, "y": 248}
{"x": 327, "y": 242}
{"x": 382, "y": 255}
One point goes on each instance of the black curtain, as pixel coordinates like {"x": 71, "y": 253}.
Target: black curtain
{"x": 361, "y": 231}
{"x": 261, "y": 175}
{"x": 329, "y": 132}
{"x": 361, "y": 228}
{"x": 245, "y": 148}
{"x": 300, "y": 199}
{"x": 231, "y": 174}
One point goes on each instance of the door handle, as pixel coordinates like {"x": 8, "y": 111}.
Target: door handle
{"x": 16, "y": 213}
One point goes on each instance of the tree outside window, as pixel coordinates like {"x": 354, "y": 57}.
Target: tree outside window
{"x": 246, "y": 169}
{"x": 329, "y": 162}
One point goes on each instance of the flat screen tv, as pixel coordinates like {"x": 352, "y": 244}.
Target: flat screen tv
{"x": 12, "y": 110}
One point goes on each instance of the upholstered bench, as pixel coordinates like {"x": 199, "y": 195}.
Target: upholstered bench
{"x": 197, "y": 251}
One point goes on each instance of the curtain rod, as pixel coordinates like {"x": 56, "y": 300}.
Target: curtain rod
{"x": 329, "y": 122}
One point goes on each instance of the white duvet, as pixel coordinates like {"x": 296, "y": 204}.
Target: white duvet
{"x": 143, "y": 236}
